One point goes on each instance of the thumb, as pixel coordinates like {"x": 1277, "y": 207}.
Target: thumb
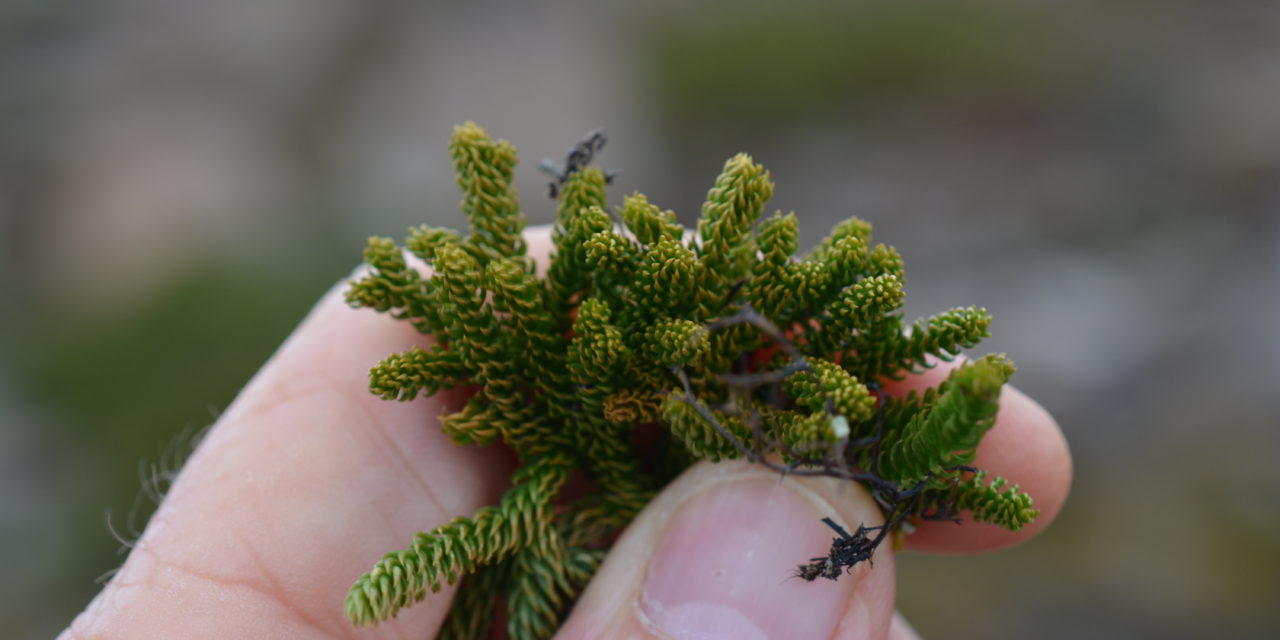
{"x": 714, "y": 554}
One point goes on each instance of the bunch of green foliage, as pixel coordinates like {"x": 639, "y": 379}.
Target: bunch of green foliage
{"x": 724, "y": 338}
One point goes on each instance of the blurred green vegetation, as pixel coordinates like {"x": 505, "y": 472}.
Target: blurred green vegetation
{"x": 186, "y": 349}
{"x": 827, "y": 60}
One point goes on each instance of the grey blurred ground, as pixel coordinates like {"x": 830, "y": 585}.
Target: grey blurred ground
{"x": 179, "y": 180}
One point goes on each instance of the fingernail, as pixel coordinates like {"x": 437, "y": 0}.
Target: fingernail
{"x": 724, "y": 567}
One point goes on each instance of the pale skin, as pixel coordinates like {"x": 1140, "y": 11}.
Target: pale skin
{"x": 307, "y": 479}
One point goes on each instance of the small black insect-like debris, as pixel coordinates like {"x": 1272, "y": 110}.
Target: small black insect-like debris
{"x": 819, "y": 568}
{"x": 846, "y": 551}
{"x": 580, "y": 155}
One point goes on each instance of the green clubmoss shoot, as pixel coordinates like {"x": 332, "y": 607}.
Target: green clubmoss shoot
{"x": 733, "y": 344}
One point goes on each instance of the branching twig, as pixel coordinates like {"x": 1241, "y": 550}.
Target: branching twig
{"x": 898, "y": 503}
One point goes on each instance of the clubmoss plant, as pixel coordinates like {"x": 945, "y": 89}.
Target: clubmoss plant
{"x": 725, "y": 338}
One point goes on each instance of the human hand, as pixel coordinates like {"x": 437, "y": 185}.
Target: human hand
{"x": 307, "y": 479}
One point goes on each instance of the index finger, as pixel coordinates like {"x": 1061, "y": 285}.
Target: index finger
{"x": 298, "y": 489}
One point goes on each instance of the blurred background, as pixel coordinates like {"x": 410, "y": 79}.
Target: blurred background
{"x": 179, "y": 181}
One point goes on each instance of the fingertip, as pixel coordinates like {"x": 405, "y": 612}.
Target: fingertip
{"x": 1027, "y": 448}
